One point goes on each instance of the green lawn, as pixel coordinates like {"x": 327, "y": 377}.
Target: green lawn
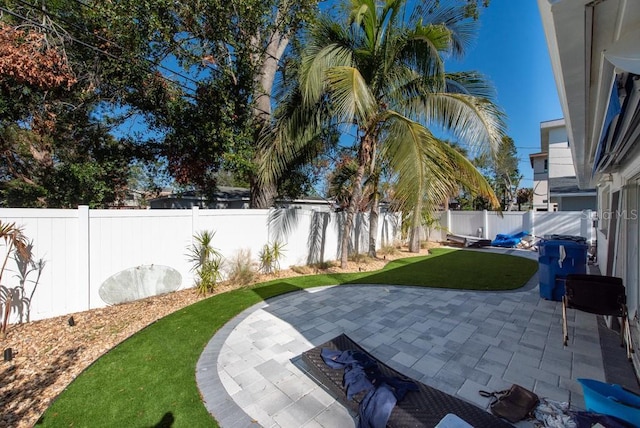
{"x": 149, "y": 379}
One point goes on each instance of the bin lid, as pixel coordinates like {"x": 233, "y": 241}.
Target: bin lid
{"x": 574, "y": 238}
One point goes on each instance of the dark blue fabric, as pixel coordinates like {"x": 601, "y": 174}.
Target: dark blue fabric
{"x": 355, "y": 380}
{"x": 355, "y": 364}
{"x": 376, "y": 407}
{"x": 361, "y": 373}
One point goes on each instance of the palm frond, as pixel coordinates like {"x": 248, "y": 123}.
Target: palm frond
{"x": 470, "y": 83}
{"x": 474, "y": 120}
{"x": 452, "y": 14}
{"x": 423, "y": 47}
{"x": 314, "y": 68}
{"x": 469, "y": 178}
{"x": 299, "y": 131}
{"x": 415, "y": 157}
{"x": 350, "y": 94}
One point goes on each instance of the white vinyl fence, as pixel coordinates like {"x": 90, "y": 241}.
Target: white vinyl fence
{"x": 82, "y": 248}
{"x": 487, "y": 224}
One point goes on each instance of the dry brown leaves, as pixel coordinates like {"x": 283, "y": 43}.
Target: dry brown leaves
{"x": 50, "y": 353}
{"x": 27, "y": 58}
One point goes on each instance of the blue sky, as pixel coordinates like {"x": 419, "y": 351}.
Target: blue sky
{"x": 511, "y": 52}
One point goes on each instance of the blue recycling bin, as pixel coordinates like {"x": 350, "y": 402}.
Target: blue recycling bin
{"x": 559, "y": 256}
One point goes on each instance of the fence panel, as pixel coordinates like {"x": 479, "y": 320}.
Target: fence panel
{"x": 510, "y": 223}
{"x": 236, "y": 230}
{"x": 577, "y": 223}
{"x": 466, "y": 222}
{"x": 119, "y": 240}
{"x": 55, "y": 239}
{"x": 82, "y": 248}
{"x": 559, "y": 223}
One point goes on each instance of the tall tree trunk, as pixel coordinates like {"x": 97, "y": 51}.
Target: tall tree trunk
{"x": 414, "y": 232}
{"x": 263, "y": 192}
{"x": 262, "y": 195}
{"x": 365, "y": 153}
{"x": 354, "y": 201}
{"x": 374, "y": 215}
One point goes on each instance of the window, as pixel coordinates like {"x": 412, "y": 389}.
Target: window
{"x": 546, "y": 165}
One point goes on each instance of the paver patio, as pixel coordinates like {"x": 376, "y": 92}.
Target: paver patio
{"x": 457, "y": 341}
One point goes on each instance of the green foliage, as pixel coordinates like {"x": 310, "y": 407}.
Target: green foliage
{"x": 206, "y": 260}
{"x": 241, "y": 269}
{"x": 501, "y": 170}
{"x": 525, "y": 196}
{"x": 212, "y": 110}
{"x": 56, "y": 147}
{"x": 381, "y": 68}
{"x": 270, "y": 257}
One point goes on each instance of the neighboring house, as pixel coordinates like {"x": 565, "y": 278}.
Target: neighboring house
{"x": 595, "y": 55}
{"x": 224, "y": 198}
{"x": 133, "y": 199}
{"x": 231, "y": 198}
{"x": 555, "y": 186}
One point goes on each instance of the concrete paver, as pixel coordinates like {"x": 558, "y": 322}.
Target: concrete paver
{"x": 457, "y": 341}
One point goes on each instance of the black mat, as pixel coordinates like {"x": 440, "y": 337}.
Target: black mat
{"x": 422, "y": 408}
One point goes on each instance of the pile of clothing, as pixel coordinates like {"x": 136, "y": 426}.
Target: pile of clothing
{"x": 362, "y": 374}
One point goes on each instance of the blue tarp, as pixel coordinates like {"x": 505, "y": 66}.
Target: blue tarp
{"x": 508, "y": 241}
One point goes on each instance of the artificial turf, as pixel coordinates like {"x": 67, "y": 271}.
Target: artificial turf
{"x": 149, "y": 379}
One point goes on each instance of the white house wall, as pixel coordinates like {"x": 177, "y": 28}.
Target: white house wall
{"x": 558, "y": 134}
{"x": 560, "y": 161}
{"x": 625, "y": 265}
{"x": 540, "y": 183}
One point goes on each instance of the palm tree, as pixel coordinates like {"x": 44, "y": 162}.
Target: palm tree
{"x": 382, "y": 74}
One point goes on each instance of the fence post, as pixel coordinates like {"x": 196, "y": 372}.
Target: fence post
{"x": 485, "y": 224}
{"x": 529, "y": 222}
{"x": 84, "y": 257}
{"x": 447, "y": 226}
{"x": 195, "y": 220}
{"x": 585, "y": 225}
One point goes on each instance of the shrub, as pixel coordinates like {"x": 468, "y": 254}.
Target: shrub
{"x": 323, "y": 265}
{"x": 359, "y": 258}
{"x": 207, "y": 262}
{"x": 388, "y": 250}
{"x": 241, "y": 269}
{"x": 270, "y": 256}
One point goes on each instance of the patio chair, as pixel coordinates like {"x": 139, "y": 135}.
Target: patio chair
{"x": 424, "y": 407}
{"x": 601, "y": 295}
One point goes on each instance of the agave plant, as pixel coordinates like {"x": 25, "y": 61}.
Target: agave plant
{"x": 206, "y": 260}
